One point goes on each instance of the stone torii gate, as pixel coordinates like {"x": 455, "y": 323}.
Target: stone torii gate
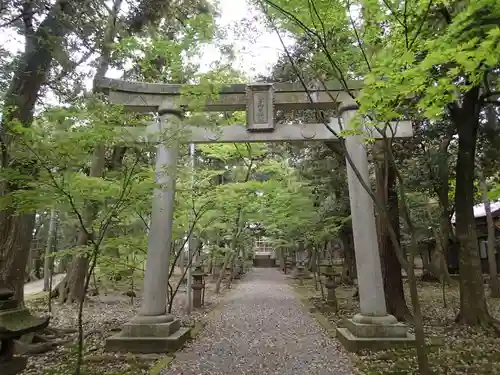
{"x": 155, "y": 331}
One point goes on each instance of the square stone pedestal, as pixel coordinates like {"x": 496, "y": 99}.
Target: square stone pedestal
{"x": 143, "y": 337}
{"x": 374, "y": 333}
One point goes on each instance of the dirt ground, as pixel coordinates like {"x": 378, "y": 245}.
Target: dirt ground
{"x": 103, "y": 316}
{"x": 453, "y": 349}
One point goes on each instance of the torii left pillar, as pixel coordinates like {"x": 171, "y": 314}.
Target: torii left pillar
{"x": 153, "y": 330}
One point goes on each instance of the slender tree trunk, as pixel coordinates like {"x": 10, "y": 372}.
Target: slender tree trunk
{"x": 231, "y": 265}
{"x": 492, "y": 260}
{"x": 181, "y": 263}
{"x": 74, "y": 285}
{"x": 391, "y": 268}
{"x": 227, "y": 258}
{"x": 444, "y": 231}
{"x": 349, "y": 273}
{"x": 210, "y": 261}
{"x": 48, "y": 260}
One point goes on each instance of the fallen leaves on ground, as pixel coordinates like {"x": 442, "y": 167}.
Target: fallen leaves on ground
{"x": 103, "y": 316}
{"x": 454, "y": 349}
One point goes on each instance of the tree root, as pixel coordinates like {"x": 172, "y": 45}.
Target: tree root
{"x": 41, "y": 342}
{"x": 94, "y": 332}
{"x": 58, "y": 332}
{"x": 39, "y": 348}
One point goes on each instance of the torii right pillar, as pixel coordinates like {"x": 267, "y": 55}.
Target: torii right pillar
{"x": 372, "y": 327}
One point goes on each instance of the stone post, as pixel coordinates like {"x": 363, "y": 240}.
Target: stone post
{"x": 153, "y": 330}
{"x": 372, "y": 325}
{"x": 371, "y": 286}
{"x": 300, "y": 273}
{"x": 160, "y": 235}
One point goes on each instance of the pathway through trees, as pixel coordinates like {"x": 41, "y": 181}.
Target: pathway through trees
{"x": 262, "y": 329}
{"x": 37, "y": 286}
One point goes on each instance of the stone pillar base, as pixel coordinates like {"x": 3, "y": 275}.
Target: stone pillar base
{"x": 145, "y": 335}
{"x": 374, "y": 333}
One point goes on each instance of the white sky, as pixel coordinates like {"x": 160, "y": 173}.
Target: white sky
{"x": 256, "y": 47}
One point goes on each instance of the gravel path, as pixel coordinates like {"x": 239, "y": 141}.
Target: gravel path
{"x": 37, "y": 286}
{"x": 262, "y": 329}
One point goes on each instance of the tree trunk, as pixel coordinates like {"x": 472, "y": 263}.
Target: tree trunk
{"x": 391, "y": 267}
{"x": 210, "y": 261}
{"x": 434, "y": 261}
{"x": 444, "y": 231}
{"x": 227, "y": 258}
{"x": 281, "y": 257}
{"x": 312, "y": 259}
{"x": 349, "y": 272}
{"x": 21, "y": 96}
{"x": 15, "y": 248}
{"x": 71, "y": 289}
{"x": 473, "y": 308}
{"x": 232, "y": 267}
{"x": 492, "y": 260}
{"x": 180, "y": 263}
{"x": 48, "y": 260}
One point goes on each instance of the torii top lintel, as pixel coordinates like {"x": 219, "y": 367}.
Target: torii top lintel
{"x": 147, "y": 97}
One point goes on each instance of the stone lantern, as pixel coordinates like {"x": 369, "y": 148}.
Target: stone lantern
{"x": 330, "y": 285}
{"x": 287, "y": 264}
{"x": 198, "y": 286}
{"x": 300, "y": 273}
{"x": 14, "y": 322}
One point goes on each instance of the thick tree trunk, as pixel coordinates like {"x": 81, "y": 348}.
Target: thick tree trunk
{"x": 391, "y": 268}
{"x": 473, "y": 308}
{"x": 16, "y": 228}
{"x": 15, "y": 249}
